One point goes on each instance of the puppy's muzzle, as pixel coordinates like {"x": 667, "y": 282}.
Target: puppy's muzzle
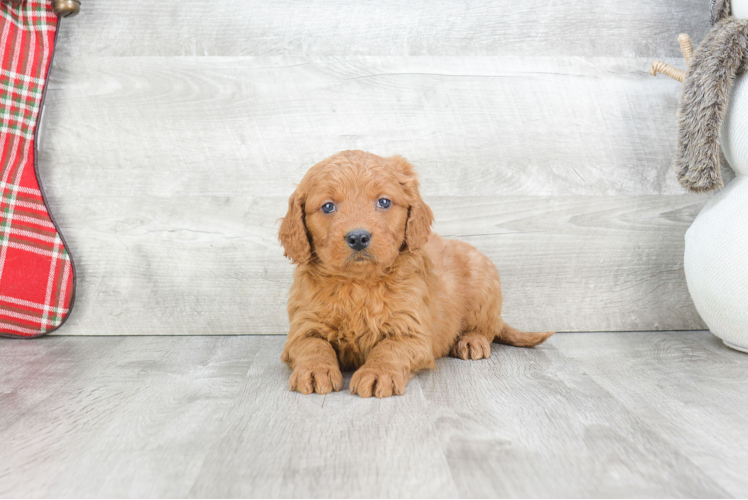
{"x": 358, "y": 239}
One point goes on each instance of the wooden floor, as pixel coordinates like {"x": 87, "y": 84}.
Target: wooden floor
{"x": 646, "y": 414}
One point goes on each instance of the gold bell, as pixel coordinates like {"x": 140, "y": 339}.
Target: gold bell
{"x": 66, "y": 8}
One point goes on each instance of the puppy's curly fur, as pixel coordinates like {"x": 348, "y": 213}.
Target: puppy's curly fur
{"x": 392, "y": 308}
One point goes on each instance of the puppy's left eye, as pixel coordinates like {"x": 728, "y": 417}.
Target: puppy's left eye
{"x": 384, "y": 203}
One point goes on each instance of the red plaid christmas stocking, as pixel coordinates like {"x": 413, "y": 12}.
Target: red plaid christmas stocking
{"x": 36, "y": 272}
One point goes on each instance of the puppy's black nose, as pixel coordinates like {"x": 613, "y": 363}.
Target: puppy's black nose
{"x": 358, "y": 239}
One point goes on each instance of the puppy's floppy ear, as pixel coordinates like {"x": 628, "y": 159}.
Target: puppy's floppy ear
{"x": 293, "y": 235}
{"x": 420, "y": 216}
{"x": 418, "y": 229}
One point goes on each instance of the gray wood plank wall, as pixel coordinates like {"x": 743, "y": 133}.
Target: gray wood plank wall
{"x": 175, "y": 131}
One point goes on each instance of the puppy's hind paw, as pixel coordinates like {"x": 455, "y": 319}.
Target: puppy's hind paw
{"x": 471, "y": 346}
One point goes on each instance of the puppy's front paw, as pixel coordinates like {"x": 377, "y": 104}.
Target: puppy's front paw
{"x": 320, "y": 378}
{"x": 471, "y": 346}
{"x": 379, "y": 381}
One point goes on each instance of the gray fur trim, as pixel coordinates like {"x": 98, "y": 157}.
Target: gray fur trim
{"x": 720, "y": 9}
{"x": 706, "y": 92}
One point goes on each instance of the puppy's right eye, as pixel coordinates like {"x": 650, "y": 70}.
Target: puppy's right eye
{"x": 328, "y": 208}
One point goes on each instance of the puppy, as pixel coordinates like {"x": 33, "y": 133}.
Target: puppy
{"x": 374, "y": 290}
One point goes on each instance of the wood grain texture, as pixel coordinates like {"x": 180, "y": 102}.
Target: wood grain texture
{"x": 646, "y": 28}
{"x": 527, "y": 423}
{"x": 136, "y": 413}
{"x": 175, "y": 131}
{"x": 473, "y": 126}
{"x": 213, "y": 265}
{"x": 690, "y": 385}
{"x": 585, "y": 415}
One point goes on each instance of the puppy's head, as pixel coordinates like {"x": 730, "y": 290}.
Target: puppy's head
{"x": 354, "y": 212}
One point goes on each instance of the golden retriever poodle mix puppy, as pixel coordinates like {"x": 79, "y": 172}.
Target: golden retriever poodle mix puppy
{"x": 374, "y": 289}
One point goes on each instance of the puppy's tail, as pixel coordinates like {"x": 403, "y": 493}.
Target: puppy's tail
{"x": 511, "y": 336}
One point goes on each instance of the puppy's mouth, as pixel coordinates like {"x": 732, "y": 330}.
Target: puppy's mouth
{"x": 360, "y": 256}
